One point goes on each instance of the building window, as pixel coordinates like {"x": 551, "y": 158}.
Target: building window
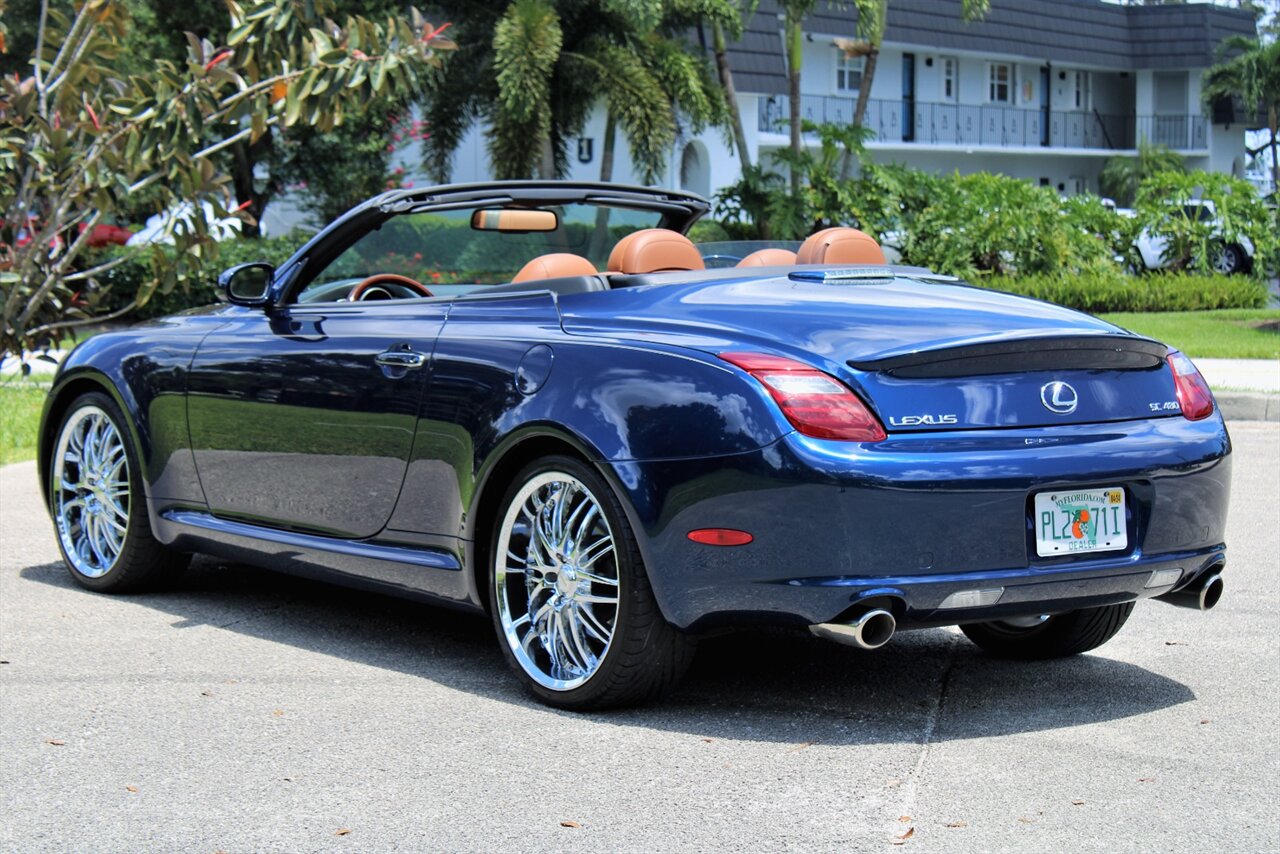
{"x": 950, "y": 79}
{"x": 1080, "y": 86}
{"x": 1000, "y": 80}
{"x": 848, "y": 72}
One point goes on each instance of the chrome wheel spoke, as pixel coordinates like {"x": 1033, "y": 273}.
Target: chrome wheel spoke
{"x": 595, "y": 551}
{"x": 581, "y": 650}
{"x": 595, "y": 578}
{"x": 592, "y": 625}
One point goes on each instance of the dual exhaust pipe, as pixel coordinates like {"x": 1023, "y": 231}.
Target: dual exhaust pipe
{"x": 873, "y": 629}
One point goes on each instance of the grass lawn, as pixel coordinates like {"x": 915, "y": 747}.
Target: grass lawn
{"x": 20, "y": 405}
{"x": 1223, "y": 334}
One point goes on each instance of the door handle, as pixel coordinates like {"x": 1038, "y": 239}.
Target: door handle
{"x": 401, "y": 359}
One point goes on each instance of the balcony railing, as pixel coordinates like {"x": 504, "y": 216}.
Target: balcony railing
{"x": 991, "y": 126}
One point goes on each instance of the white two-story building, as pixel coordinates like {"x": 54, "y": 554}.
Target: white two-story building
{"x": 1044, "y": 90}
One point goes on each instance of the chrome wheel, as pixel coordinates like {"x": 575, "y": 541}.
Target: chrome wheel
{"x": 556, "y": 580}
{"x": 91, "y": 491}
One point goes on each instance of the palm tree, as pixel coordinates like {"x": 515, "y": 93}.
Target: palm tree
{"x": 535, "y": 69}
{"x": 794, "y": 12}
{"x": 1121, "y": 176}
{"x": 1253, "y": 74}
{"x": 721, "y": 32}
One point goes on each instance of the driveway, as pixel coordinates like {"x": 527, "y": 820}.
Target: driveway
{"x": 246, "y": 711}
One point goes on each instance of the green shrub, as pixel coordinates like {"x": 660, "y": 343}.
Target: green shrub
{"x": 708, "y": 231}
{"x": 119, "y": 284}
{"x": 1157, "y": 292}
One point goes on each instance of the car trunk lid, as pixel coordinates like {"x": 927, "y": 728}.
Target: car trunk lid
{"x": 925, "y": 354}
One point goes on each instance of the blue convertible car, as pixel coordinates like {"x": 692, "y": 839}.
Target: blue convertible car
{"x": 536, "y": 399}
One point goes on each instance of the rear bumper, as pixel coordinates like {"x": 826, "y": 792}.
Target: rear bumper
{"x": 911, "y": 520}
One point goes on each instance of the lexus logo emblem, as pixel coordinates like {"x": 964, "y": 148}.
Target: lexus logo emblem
{"x": 1059, "y": 397}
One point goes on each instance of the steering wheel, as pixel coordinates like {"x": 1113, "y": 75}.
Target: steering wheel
{"x": 367, "y": 287}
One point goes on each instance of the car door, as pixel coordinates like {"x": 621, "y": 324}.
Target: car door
{"x": 303, "y": 416}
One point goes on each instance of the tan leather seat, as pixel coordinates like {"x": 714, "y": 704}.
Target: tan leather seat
{"x": 557, "y": 265}
{"x": 840, "y": 246}
{"x": 654, "y": 250}
{"x": 768, "y": 258}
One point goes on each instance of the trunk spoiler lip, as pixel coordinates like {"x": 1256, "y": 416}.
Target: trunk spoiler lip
{"x": 1105, "y": 342}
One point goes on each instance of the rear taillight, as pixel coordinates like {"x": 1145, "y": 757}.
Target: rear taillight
{"x": 815, "y": 403}
{"x": 1193, "y": 392}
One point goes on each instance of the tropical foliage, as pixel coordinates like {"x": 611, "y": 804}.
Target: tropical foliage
{"x": 982, "y": 224}
{"x": 1121, "y": 175}
{"x": 535, "y": 69}
{"x": 1253, "y": 75}
{"x": 77, "y": 138}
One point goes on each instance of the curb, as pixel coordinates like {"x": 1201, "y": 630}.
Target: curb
{"x": 1244, "y": 406}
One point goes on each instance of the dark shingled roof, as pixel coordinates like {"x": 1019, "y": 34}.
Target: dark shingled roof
{"x": 1086, "y": 32}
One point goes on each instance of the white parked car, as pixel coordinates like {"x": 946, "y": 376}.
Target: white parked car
{"x": 1227, "y": 256}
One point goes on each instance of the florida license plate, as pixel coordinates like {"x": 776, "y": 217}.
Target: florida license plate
{"x": 1080, "y": 520}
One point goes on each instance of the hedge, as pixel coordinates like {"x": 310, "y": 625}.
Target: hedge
{"x": 1155, "y": 292}
{"x": 119, "y": 284}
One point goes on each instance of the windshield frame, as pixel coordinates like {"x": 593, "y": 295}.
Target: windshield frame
{"x": 678, "y": 210}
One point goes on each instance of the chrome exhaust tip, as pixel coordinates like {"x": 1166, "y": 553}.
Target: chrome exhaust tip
{"x": 1200, "y": 595}
{"x": 872, "y": 630}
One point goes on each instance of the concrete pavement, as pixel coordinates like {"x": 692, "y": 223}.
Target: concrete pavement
{"x": 246, "y": 711}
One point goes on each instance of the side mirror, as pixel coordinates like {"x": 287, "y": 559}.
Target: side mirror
{"x": 247, "y": 284}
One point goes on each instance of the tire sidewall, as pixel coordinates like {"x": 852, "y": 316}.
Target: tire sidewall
{"x": 586, "y": 694}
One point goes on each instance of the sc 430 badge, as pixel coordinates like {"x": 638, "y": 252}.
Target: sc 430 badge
{"x": 923, "y": 420}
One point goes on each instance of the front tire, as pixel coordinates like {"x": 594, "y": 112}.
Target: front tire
{"x": 98, "y": 504}
{"x": 1055, "y": 636}
{"x": 571, "y": 602}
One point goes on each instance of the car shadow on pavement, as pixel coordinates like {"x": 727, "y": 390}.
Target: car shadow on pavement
{"x": 775, "y": 686}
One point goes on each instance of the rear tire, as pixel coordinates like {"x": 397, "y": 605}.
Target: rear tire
{"x": 1057, "y": 636}
{"x": 1228, "y": 259}
{"x": 98, "y": 504}
{"x": 571, "y": 603}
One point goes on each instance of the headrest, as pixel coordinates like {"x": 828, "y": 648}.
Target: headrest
{"x": 840, "y": 246}
{"x": 557, "y": 265}
{"x": 654, "y": 250}
{"x": 768, "y": 258}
